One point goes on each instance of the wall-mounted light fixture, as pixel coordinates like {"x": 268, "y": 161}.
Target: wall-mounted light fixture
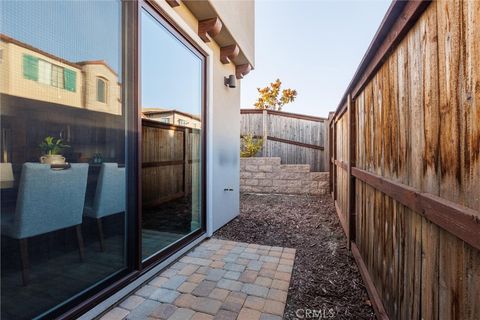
{"x": 230, "y": 81}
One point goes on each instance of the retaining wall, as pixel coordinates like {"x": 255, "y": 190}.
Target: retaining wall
{"x": 268, "y": 175}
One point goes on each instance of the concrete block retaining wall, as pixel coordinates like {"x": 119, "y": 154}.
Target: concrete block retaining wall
{"x": 268, "y": 175}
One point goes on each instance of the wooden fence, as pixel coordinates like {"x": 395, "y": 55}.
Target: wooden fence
{"x": 295, "y": 138}
{"x": 406, "y": 162}
{"x": 170, "y": 158}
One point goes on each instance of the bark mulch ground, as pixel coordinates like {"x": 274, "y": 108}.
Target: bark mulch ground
{"x": 325, "y": 279}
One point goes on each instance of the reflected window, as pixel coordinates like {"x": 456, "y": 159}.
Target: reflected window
{"x": 101, "y": 90}
{"x": 57, "y": 76}
{"x": 30, "y": 67}
{"x": 44, "y": 72}
{"x": 40, "y": 70}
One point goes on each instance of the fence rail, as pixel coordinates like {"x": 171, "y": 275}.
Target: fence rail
{"x": 405, "y": 165}
{"x": 295, "y": 138}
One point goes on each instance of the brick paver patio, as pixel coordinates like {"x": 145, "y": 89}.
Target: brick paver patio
{"x": 222, "y": 280}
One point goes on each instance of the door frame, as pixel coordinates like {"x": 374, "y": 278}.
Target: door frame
{"x": 160, "y": 16}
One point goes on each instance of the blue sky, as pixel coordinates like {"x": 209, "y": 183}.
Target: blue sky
{"x": 57, "y": 28}
{"x": 171, "y": 73}
{"x": 313, "y": 47}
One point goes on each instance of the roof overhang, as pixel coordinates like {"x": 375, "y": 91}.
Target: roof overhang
{"x": 232, "y": 50}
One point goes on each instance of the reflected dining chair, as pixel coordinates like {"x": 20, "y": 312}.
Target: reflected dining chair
{"x": 47, "y": 201}
{"x": 109, "y": 196}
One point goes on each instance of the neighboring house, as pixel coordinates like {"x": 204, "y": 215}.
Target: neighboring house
{"x": 31, "y": 73}
{"x": 140, "y": 187}
{"x": 173, "y": 117}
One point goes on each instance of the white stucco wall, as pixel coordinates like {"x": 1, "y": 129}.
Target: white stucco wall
{"x": 226, "y": 145}
{"x": 239, "y": 17}
{"x": 223, "y": 127}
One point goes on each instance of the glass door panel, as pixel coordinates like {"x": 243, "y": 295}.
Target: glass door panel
{"x": 172, "y": 101}
{"x": 62, "y": 152}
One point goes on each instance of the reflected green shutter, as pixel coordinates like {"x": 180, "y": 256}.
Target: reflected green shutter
{"x": 70, "y": 77}
{"x": 30, "y": 67}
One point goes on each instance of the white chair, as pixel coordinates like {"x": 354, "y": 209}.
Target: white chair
{"x": 47, "y": 201}
{"x": 109, "y": 196}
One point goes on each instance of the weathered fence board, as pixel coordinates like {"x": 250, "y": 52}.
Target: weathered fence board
{"x": 341, "y": 202}
{"x": 295, "y": 138}
{"x": 416, "y": 129}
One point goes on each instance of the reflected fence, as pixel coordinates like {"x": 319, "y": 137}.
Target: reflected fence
{"x": 170, "y": 154}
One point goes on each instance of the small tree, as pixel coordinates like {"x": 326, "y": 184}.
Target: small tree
{"x": 269, "y": 96}
{"x": 250, "y": 146}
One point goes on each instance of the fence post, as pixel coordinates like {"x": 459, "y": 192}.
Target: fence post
{"x": 331, "y": 142}
{"x": 186, "y": 149}
{"x": 334, "y": 165}
{"x": 265, "y": 131}
{"x": 351, "y": 138}
{"x": 328, "y": 133}
{"x": 326, "y": 145}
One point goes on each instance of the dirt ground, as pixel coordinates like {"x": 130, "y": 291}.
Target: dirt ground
{"x": 325, "y": 277}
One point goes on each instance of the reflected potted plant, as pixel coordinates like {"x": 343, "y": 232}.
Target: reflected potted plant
{"x": 52, "y": 147}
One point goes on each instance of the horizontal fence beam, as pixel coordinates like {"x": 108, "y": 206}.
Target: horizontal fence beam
{"x": 462, "y": 222}
{"x": 371, "y": 289}
{"x": 296, "y": 143}
{"x": 300, "y": 144}
{"x": 284, "y": 114}
{"x": 154, "y": 164}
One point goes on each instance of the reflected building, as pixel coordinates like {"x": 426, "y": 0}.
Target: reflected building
{"x": 31, "y": 73}
{"x": 79, "y": 102}
{"x": 172, "y": 116}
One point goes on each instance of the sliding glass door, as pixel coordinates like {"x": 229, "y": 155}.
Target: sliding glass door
{"x": 86, "y": 206}
{"x": 63, "y": 129}
{"x": 172, "y": 100}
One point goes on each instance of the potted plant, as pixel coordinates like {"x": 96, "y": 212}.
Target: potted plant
{"x": 52, "y": 147}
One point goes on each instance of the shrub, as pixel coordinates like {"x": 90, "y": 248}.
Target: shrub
{"x": 250, "y": 146}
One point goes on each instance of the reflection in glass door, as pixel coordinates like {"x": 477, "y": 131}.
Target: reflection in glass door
{"x": 172, "y": 101}
{"x": 63, "y": 156}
